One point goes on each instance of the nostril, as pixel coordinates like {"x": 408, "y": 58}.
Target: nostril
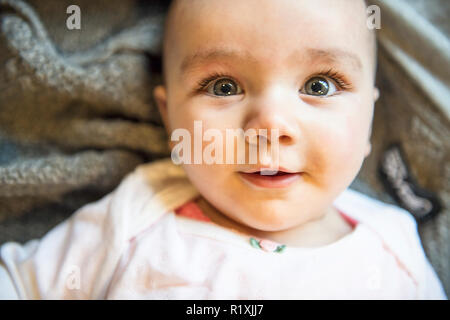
{"x": 284, "y": 139}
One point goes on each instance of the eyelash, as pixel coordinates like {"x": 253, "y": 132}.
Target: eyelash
{"x": 332, "y": 74}
{"x": 337, "y": 77}
{"x": 202, "y": 84}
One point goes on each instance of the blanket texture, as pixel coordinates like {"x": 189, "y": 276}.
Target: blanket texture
{"x": 77, "y": 115}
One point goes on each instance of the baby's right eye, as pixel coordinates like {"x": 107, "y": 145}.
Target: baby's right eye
{"x": 319, "y": 86}
{"x": 223, "y": 87}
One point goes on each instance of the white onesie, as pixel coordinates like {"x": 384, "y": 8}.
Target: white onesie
{"x": 133, "y": 244}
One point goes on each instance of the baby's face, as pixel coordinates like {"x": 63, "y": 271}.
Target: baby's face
{"x": 302, "y": 67}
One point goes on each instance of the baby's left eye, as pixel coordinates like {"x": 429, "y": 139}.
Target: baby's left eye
{"x": 224, "y": 87}
{"x": 319, "y": 86}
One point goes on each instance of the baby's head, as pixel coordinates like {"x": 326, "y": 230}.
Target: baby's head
{"x": 306, "y": 68}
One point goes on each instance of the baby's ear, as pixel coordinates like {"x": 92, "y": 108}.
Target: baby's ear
{"x": 376, "y": 94}
{"x": 368, "y": 149}
{"x": 160, "y": 95}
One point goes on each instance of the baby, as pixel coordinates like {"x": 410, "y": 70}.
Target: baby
{"x": 304, "y": 70}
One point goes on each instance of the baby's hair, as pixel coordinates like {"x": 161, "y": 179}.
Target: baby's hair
{"x": 167, "y": 6}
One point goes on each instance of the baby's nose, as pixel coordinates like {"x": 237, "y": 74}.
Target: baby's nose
{"x": 272, "y": 125}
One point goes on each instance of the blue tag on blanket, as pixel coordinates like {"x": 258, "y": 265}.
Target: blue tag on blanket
{"x": 398, "y": 181}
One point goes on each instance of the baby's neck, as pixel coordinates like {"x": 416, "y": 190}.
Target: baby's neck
{"x": 325, "y": 230}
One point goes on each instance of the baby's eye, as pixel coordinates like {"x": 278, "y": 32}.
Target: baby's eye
{"x": 224, "y": 87}
{"x": 319, "y": 86}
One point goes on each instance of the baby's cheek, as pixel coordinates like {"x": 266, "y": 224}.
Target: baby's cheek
{"x": 337, "y": 153}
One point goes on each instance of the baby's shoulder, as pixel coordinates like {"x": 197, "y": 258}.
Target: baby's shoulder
{"x": 395, "y": 227}
{"x": 150, "y": 191}
{"x": 398, "y": 231}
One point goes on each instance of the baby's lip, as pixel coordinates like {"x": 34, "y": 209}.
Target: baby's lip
{"x": 274, "y": 180}
{"x": 269, "y": 170}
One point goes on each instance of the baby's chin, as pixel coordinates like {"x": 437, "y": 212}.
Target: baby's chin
{"x": 267, "y": 215}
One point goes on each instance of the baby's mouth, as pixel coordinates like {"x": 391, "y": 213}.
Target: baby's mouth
{"x": 270, "y": 173}
{"x": 270, "y": 178}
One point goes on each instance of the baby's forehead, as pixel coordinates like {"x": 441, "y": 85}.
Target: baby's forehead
{"x": 201, "y": 30}
{"x": 185, "y": 13}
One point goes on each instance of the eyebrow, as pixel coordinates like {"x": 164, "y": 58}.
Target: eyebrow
{"x": 205, "y": 55}
{"x": 337, "y": 55}
{"x": 332, "y": 55}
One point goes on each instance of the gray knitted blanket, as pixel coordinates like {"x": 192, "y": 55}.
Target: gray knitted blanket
{"x": 77, "y": 114}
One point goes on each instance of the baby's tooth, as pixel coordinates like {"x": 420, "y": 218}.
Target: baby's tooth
{"x": 268, "y": 172}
